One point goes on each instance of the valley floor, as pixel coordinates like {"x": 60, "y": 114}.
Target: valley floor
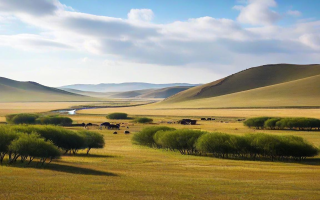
{"x": 125, "y": 171}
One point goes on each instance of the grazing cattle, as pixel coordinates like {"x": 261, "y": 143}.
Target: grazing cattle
{"x": 112, "y": 126}
{"x": 126, "y": 132}
{"x": 87, "y": 125}
{"x": 208, "y": 119}
{"x": 213, "y": 119}
{"x": 127, "y": 127}
{"x": 188, "y": 122}
{"x": 105, "y": 124}
{"x": 115, "y": 132}
{"x": 203, "y": 119}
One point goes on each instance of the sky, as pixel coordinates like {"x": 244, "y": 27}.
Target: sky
{"x": 63, "y": 42}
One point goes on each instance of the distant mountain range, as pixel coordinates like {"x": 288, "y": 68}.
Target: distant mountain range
{"x": 16, "y": 91}
{"x": 122, "y": 87}
{"x": 143, "y": 94}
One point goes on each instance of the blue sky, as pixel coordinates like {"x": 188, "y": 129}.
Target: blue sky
{"x": 59, "y": 42}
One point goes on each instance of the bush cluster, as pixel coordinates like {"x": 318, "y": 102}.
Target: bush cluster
{"x": 256, "y": 146}
{"x": 44, "y": 140}
{"x": 117, "y": 116}
{"x": 143, "y": 120}
{"x": 252, "y": 146}
{"x": 26, "y": 118}
{"x": 293, "y": 123}
{"x": 145, "y": 136}
{"x": 54, "y": 120}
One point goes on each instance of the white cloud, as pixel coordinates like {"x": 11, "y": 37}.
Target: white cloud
{"x": 258, "y": 12}
{"x": 294, "y": 13}
{"x": 140, "y": 15}
{"x": 206, "y": 42}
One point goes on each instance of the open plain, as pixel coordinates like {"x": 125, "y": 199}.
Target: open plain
{"x": 125, "y": 171}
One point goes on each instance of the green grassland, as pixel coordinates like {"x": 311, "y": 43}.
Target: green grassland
{"x": 125, "y": 171}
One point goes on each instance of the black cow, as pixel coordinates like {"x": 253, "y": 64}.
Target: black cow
{"x": 115, "y": 132}
{"x": 105, "y": 124}
{"x": 126, "y": 132}
{"x": 112, "y": 126}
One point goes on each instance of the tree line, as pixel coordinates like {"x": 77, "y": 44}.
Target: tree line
{"x": 44, "y": 142}
{"x": 292, "y": 123}
{"x": 29, "y": 118}
{"x": 222, "y": 145}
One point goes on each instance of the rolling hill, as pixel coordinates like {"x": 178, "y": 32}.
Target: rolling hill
{"x": 164, "y": 92}
{"x": 298, "y": 93}
{"x": 16, "y": 91}
{"x": 121, "y": 87}
{"x": 249, "y": 79}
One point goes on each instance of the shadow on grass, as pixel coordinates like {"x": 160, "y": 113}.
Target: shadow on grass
{"x": 89, "y": 155}
{"x": 307, "y": 161}
{"x": 63, "y": 168}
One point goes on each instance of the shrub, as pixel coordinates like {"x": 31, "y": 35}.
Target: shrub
{"x": 24, "y": 118}
{"x": 298, "y": 123}
{"x": 54, "y": 120}
{"x": 271, "y": 123}
{"x": 63, "y": 138}
{"x": 92, "y": 140}
{"x": 220, "y": 144}
{"x": 33, "y": 146}
{"x": 257, "y": 122}
{"x": 6, "y": 137}
{"x": 182, "y": 140}
{"x": 145, "y": 136}
{"x": 143, "y": 120}
{"x": 117, "y": 116}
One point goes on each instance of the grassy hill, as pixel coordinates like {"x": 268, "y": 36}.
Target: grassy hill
{"x": 298, "y": 93}
{"x": 16, "y": 91}
{"x": 164, "y": 92}
{"x": 249, "y": 79}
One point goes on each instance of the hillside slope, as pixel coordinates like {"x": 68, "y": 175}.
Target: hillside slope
{"x": 297, "y": 93}
{"x": 16, "y": 91}
{"x": 252, "y": 78}
{"x": 164, "y": 92}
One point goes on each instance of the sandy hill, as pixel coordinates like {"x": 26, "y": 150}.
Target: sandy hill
{"x": 253, "y": 78}
{"x": 17, "y": 91}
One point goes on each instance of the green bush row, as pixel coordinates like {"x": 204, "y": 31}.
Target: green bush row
{"x": 27, "y": 118}
{"x": 223, "y": 145}
{"x": 297, "y": 123}
{"x": 143, "y": 120}
{"x": 14, "y": 140}
{"x": 117, "y": 115}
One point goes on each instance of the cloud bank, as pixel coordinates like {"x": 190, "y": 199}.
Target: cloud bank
{"x": 220, "y": 44}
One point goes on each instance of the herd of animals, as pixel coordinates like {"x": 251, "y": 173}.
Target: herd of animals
{"x": 108, "y": 125}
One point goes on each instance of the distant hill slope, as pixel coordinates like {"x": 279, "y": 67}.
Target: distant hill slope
{"x": 252, "y": 78}
{"x": 121, "y": 87}
{"x": 11, "y": 90}
{"x": 164, "y": 92}
{"x": 131, "y": 94}
{"x": 297, "y": 93}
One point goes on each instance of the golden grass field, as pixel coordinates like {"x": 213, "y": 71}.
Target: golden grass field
{"x": 125, "y": 171}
